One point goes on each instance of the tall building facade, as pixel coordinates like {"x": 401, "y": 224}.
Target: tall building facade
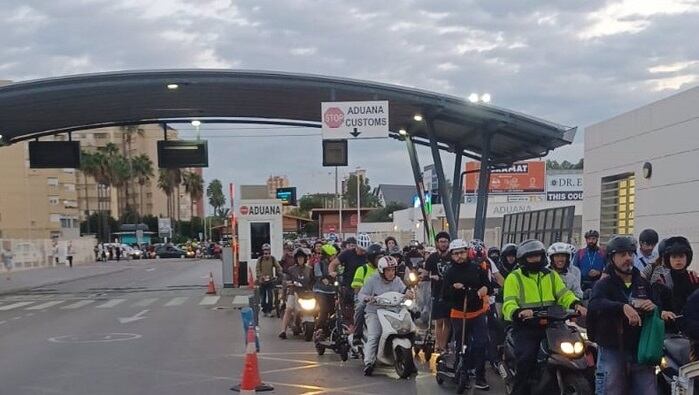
{"x": 361, "y": 173}
{"x": 36, "y": 203}
{"x": 274, "y": 182}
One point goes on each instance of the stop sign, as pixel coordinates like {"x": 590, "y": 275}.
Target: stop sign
{"x": 244, "y": 210}
{"x": 333, "y": 117}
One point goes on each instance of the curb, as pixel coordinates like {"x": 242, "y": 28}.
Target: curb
{"x": 27, "y": 288}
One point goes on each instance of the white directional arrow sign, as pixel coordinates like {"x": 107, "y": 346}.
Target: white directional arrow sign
{"x": 139, "y": 316}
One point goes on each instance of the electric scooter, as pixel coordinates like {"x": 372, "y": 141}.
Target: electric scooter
{"x": 338, "y": 340}
{"x": 454, "y": 366}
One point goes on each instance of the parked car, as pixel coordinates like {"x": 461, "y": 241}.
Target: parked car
{"x": 169, "y": 251}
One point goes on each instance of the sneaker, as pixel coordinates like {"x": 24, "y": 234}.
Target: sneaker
{"x": 282, "y": 335}
{"x": 368, "y": 369}
{"x": 481, "y": 384}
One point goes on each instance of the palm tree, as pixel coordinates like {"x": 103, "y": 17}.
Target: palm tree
{"x": 169, "y": 180}
{"x": 142, "y": 168}
{"x": 194, "y": 186}
{"x": 89, "y": 166}
{"x": 126, "y": 140}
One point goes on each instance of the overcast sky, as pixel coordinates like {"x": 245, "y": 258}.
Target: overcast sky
{"x": 573, "y": 62}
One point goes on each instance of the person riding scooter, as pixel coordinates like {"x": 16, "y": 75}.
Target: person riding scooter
{"x": 466, "y": 280}
{"x": 383, "y": 281}
{"x": 302, "y": 273}
{"x": 560, "y": 255}
{"x": 526, "y": 287}
{"x": 373, "y": 254}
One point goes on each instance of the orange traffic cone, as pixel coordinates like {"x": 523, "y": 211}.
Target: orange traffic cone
{"x": 211, "y": 289}
{"x": 251, "y": 382}
{"x": 251, "y": 279}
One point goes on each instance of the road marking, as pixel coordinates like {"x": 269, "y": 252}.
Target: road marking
{"x": 144, "y": 302}
{"x": 14, "y": 306}
{"x": 3, "y": 321}
{"x": 16, "y": 318}
{"x": 209, "y": 300}
{"x": 241, "y": 300}
{"x": 78, "y": 305}
{"x": 176, "y": 301}
{"x": 45, "y": 305}
{"x": 150, "y": 269}
{"x": 133, "y": 318}
{"x": 110, "y": 304}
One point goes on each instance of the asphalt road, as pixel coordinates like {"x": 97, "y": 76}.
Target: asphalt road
{"x": 150, "y": 329}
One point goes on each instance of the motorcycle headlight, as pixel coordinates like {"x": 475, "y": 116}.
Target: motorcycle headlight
{"x": 412, "y": 277}
{"x": 663, "y": 363}
{"x": 578, "y": 347}
{"x": 567, "y": 348}
{"x": 307, "y": 304}
{"x": 583, "y": 335}
{"x": 408, "y": 303}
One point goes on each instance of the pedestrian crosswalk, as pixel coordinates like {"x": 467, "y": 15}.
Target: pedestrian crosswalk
{"x": 65, "y": 304}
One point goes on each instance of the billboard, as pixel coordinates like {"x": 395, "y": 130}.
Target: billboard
{"x": 522, "y": 178}
{"x": 564, "y": 186}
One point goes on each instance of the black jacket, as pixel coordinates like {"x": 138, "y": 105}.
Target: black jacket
{"x": 473, "y": 277}
{"x": 607, "y": 324}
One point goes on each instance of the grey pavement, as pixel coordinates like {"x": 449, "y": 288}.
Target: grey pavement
{"x": 150, "y": 329}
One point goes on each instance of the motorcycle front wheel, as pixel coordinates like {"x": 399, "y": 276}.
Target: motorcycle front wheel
{"x": 308, "y": 328}
{"x": 404, "y": 364}
{"x": 575, "y": 383}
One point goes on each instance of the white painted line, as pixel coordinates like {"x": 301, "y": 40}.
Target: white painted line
{"x": 110, "y": 304}
{"x": 241, "y": 300}
{"x": 2, "y": 322}
{"x": 78, "y": 305}
{"x": 16, "y": 318}
{"x": 45, "y": 305}
{"x": 176, "y": 301}
{"x": 14, "y": 306}
{"x": 209, "y": 300}
{"x": 150, "y": 269}
{"x": 139, "y": 316}
{"x": 144, "y": 302}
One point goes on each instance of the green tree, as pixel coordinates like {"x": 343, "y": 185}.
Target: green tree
{"x": 169, "y": 180}
{"x": 383, "y": 214}
{"x": 367, "y": 198}
{"x": 194, "y": 186}
{"x": 309, "y": 202}
{"x": 216, "y": 197}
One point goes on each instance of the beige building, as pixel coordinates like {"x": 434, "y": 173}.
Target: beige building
{"x": 274, "y": 182}
{"x": 36, "y": 203}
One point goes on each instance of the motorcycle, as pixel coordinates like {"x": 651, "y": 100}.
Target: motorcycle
{"x": 561, "y": 361}
{"x": 397, "y": 333}
{"x": 424, "y": 338}
{"x": 303, "y": 319}
{"x": 675, "y": 355}
{"x": 338, "y": 340}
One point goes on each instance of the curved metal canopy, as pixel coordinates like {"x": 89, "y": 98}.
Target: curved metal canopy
{"x": 42, "y": 107}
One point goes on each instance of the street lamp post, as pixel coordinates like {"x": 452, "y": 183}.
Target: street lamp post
{"x": 359, "y": 203}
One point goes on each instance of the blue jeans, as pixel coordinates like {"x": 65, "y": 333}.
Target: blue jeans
{"x": 477, "y": 330}
{"x": 266, "y": 297}
{"x": 618, "y": 374}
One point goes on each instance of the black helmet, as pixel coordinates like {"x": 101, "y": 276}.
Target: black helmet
{"x": 529, "y": 248}
{"x": 300, "y": 252}
{"x": 675, "y": 245}
{"x": 648, "y": 236}
{"x": 373, "y": 252}
{"x": 509, "y": 249}
{"x": 493, "y": 250}
{"x": 442, "y": 235}
{"x": 591, "y": 233}
{"x": 395, "y": 251}
{"x": 414, "y": 244}
{"x": 620, "y": 244}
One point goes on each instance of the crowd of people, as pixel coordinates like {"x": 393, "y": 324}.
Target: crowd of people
{"x": 497, "y": 290}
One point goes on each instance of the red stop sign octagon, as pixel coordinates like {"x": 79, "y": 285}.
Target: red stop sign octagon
{"x": 333, "y": 117}
{"x": 244, "y": 210}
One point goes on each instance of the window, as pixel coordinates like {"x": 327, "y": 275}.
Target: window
{"x": 52, "y": 181}
{"x": 65, "y": 223}
{"x": 617, "y": 205}
{"x": 53, "y": 200}
{"x": 70, "y": 187}
{"x": 55, "y": 218}
{"x": 70, "y": 204}
{"x": 100, "y": 135}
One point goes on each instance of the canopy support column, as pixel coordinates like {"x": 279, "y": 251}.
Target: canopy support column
{"x": 443, "y": 192}
{"x": 456, "y": 192}
{"x": 483, "y": 184}
{"x": 419, "y": 185}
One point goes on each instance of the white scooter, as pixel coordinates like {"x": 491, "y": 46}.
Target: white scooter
{"x": 397, "y": 333}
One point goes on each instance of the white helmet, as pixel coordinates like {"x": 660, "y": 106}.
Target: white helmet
{"x": 561, "y": 248}
{"x": 386, "y": 261}
{"x": 363, "y": 241}
{"x": 458, "y": 244}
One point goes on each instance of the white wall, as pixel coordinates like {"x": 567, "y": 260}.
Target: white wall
{"x": 664, "y": 133}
